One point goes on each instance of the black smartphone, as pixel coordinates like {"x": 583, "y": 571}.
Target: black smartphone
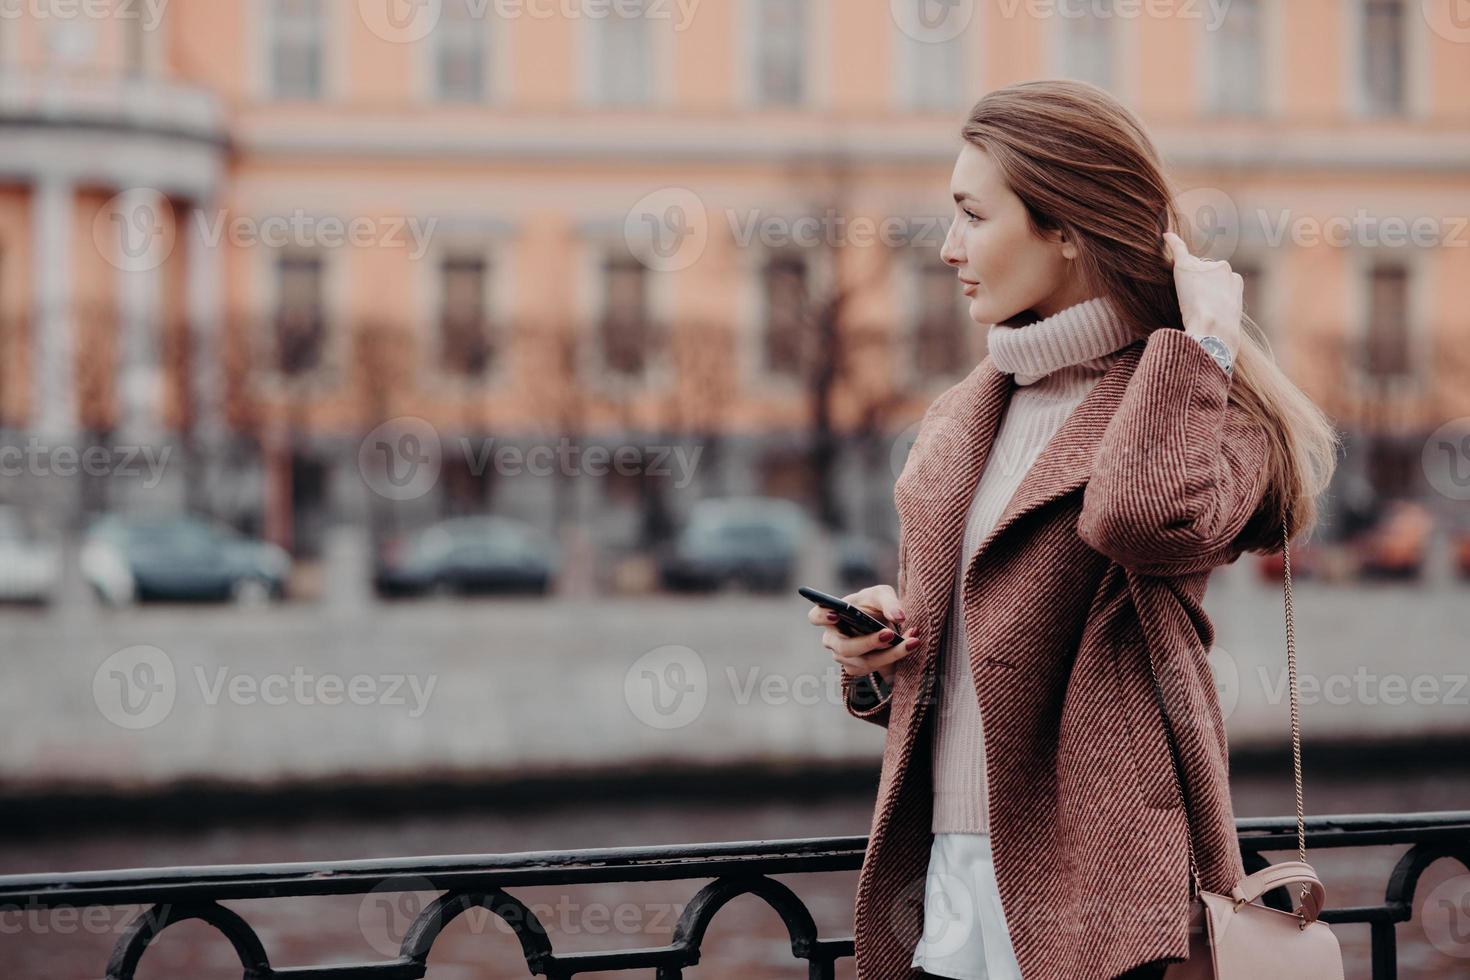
{"x": 850, "y": 619}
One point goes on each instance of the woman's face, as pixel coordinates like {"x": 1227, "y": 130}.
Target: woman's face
{"x": 991, "y": 245}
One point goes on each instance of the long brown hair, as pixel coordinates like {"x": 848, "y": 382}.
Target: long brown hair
{"x": 1082, "y": 164}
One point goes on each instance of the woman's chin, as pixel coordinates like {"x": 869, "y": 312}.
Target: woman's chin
{"x": 980, "y": 310}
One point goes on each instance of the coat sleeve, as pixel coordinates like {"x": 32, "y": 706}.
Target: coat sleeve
{"x": 867, "y": 697}
{"x": 1179, "y": 470}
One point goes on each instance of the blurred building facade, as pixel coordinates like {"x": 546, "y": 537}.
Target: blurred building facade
{"x": 257, "y": 230}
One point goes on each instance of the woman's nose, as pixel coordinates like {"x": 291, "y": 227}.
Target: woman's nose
{"x": 949, "y": 251}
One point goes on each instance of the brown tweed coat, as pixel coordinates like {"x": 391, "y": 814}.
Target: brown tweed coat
{"x": 1099, "y": 561}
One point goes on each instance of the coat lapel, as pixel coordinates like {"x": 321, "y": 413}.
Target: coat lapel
{"x": 937, "y": 486}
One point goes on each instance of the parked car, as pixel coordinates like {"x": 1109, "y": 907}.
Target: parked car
{"x": 1310, "y": 559}
{"x": 1460, "y": 541}
{"x": 1397, "y": 545}
{"x": 30, "y": 566}
{"x": 127, "y": 559}
{"x": 749, "y": 541}
{"x": 462, "y": 555}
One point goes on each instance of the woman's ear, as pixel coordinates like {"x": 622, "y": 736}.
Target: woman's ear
{"x": 1059, "y": 236}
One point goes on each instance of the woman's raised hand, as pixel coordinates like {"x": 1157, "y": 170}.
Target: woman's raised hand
{"x": 873, "y": 652}
{"x": 1210, "y": 293}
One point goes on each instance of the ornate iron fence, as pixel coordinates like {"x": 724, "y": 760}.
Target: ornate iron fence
{"x": 737, "y": 868}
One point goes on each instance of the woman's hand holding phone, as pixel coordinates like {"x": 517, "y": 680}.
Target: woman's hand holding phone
{"x": 872, "y": 652}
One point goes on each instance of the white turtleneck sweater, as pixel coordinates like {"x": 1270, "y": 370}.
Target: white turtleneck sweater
{"x": 1055, "y": 362}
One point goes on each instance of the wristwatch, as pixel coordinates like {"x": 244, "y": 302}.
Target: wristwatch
{"x": 1216, "y": 349}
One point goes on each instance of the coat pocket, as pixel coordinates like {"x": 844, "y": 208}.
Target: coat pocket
{"x": 1146, "y": 745}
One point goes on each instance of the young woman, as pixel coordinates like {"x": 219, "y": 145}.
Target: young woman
{"x": 1059, "y": 515}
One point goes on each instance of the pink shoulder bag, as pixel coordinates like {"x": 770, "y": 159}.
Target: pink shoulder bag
{"x": 1231, "y": 936}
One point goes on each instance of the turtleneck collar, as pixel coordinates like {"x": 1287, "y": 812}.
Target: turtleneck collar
{"x": 1084, "y": 333}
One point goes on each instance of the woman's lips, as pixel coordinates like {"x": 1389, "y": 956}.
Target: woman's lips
{"x": 969, "y": 289}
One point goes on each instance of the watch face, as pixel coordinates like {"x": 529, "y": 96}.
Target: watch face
{"x": 1217, "y": 349}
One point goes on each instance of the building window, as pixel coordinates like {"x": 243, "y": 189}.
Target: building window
{"x": 935, "y": 74}
{"x": 624, "y": 333}
{"x": 940, "y": 331}
{"x": 780, "y": 52}
{"x": 464, "y": 329}
{"x": 785, "y": 288}
{"x": 1382, "y": 56}
{"x": 459, "y": 53}
{"x": 1087, "y": 43}
{"x": 1386, "y": 348}
{"x": 296, "y": 49}
{"x": 135, "y": 46}
{"x": 300, "y": 320}
{"x": 1236, "y": 79}
{"x": 624, "y": 55}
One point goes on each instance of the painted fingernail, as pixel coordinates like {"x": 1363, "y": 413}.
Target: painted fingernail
{"x": 831, "y": 617}
{"x": 887, "y": 636}
{"x": 912, "y": 642}
{"x": 898, "y": 616}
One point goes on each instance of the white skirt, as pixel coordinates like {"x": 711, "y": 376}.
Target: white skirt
{"x": 965, "y": 934}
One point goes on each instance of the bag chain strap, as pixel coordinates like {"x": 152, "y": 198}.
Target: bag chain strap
{"x": 1296, "y": 733}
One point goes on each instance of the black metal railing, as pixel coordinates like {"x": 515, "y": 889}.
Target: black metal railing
{"x": 738, "y": 868}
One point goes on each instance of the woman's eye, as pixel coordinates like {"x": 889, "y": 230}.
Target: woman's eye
{"x": 973, "y": 216}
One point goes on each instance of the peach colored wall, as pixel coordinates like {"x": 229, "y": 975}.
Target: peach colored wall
{"x": 16, "y": 354}
{"x": 545, "y": 62}
{"x": 860, "y": 39}
{"x": 1312, "y": 58}
{"x": 1450, "y": 272}
{"x": 94, "y": 299}
{"x": 209, "y": 43}
{"x": 218, "y": 45}
{"x": 15, "y": 248}
{"x": 1449, "y": 75}
{"x": 704, "y": 59}
{"x": 1167, "y": 82}
{"x": 546, "y": 202}
{"x": 174, "y": 325}
{"x": 1014, "y": 46}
